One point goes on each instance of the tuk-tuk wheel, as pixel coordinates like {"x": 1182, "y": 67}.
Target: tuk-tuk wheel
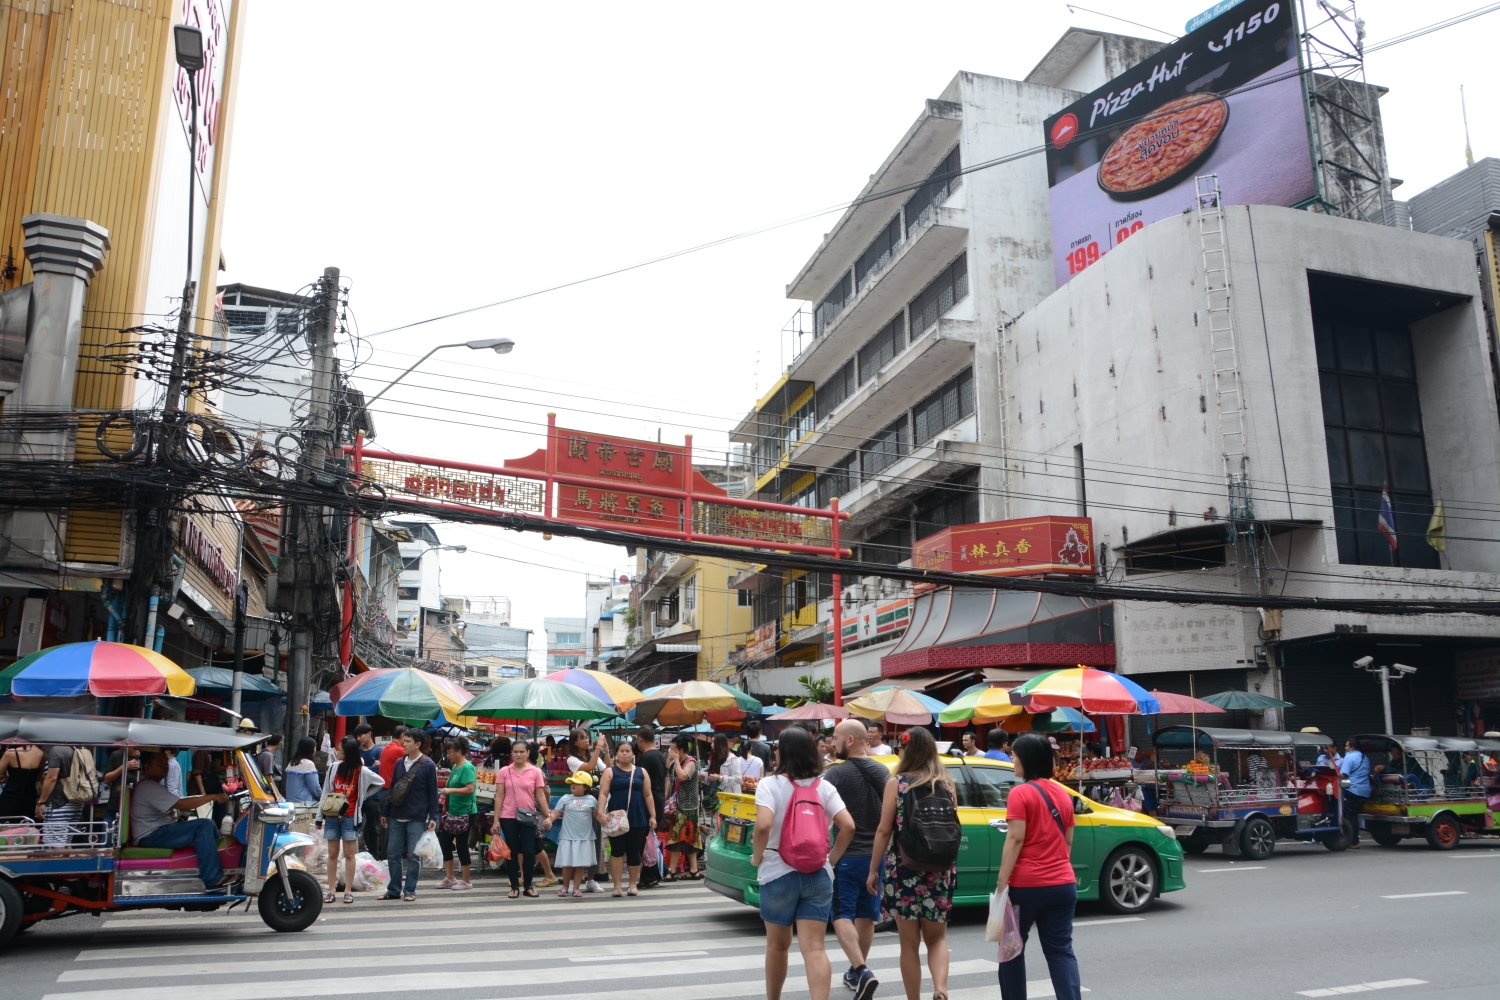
{"x": 1341, "y": 839}
{"x": 1196, "y": 842}
{"x": 11, "y": 907}
{"x": 1443, "y": 833}
{"x": 278, "y": 914}
{"x": 1258, "y": 838}
{"x": 1385, "y": 838}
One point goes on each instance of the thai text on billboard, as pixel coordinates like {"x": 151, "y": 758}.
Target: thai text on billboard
{"x": 1226, "y": 99}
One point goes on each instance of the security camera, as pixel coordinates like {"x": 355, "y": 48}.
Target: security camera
{"x": 1363, "y": 661}
{"x": 1403, "y": 669}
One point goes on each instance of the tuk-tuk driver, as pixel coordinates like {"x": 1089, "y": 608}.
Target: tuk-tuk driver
{"x": 151, "y": 822}
{"x": 1404, "y": 765}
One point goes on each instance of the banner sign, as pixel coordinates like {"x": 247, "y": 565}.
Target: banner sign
{"x": 452, "y": 485}
{"x": 1478, "y": 674}
{"x": 763, "y": 640}
{"x": 1022, "y": 547}
{"x": 614, "y": 504}
{"x": 620, "y": 462}
{"x": 1224, "y": 99}
{"x": 873, "y": 620}
{"x": 772, "y": 527}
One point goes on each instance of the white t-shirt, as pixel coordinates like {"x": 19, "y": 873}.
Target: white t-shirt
{"x": 775, "y": 793}
{"x": 752, "y": 767}
{"x": 880, "y": 751}
{"x": 730, "y": 772}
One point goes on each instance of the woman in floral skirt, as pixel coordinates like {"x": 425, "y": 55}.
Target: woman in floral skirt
{"x": 685, "y": 835}
{"x": 919, "y": 900}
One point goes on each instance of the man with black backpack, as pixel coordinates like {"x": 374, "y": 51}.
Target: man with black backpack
{"x": 861, "y": 784}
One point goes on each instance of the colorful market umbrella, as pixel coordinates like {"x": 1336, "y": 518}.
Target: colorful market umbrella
{"x": 1245, "y": 700}
{"x": 399, "y": 693}
{"x": 981, "y": 702}
{"x": 1096, "y": 691}
{"x": 606, "y": 687}
{"x": 1181, "y": 704}
{"x": 814, "y": 711}
{"x": 102, "y": 669}
{"x": 897, "y": 706}
{"x": 538, "y": 700}
{"x": 1061, "y": 720}
{"x": 688, "y": 703}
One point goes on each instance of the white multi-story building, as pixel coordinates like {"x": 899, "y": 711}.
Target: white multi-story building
{"x": 566, "y": 645}
{"x": 420, "y": 580}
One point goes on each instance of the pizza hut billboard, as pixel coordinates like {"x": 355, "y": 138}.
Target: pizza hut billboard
{"x": 1224, "y": 99}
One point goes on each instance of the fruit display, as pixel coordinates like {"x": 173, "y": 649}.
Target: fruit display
{"x": 1199, "y": 767}
{"x": 1107, "y": 764}
{"x": 747, "y": 785}
{"x": 485, "y": 777}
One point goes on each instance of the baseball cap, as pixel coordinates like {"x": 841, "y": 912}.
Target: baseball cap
{"x": 581, "y": 778}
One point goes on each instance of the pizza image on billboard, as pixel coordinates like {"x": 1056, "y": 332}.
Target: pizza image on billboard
{"x": 1152, "y": 155}
{"x": 1225, "y": 99}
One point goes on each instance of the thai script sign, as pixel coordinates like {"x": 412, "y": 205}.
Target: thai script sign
{"x": 453, "y": 485}
{"x": 772, "y": 527}
{"x": 196, "y": 543}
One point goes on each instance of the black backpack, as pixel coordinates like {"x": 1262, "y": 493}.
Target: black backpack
{"x": 930, "y": 832}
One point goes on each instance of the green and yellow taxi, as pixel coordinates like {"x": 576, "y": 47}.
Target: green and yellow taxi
{"x": 1121, "y": 858}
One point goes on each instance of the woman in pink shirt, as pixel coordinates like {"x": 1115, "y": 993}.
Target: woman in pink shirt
{"x": 521, "y": 808}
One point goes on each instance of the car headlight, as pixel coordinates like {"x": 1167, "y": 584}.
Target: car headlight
{"x": 1166, "y": 831}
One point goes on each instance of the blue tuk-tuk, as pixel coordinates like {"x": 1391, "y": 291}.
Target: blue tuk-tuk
{"x": 89, "y": 866}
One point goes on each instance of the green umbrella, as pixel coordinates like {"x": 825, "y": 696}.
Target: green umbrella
{"x": 221, "y": 679}
{"x": 537, "y": 700}
{"x": 1245, "y": 700}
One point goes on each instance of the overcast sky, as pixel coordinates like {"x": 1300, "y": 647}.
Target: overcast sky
{"x": 446, "y": 162}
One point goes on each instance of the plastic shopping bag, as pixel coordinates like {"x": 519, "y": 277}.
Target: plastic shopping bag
{"x": 428, "y": 850}
{"x": 499, "y": 850}
{"x": 369, "y": 874}
{"x": 1004, "y": 926}
{"x": 651, "y": 852}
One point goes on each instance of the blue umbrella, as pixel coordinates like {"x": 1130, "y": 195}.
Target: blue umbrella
{"x": 1062, "y": 720}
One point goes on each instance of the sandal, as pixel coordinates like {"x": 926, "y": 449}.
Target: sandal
{"x": 410, "y": 897}
{"x": 530, "y": 894}
{"x": 327, "y": 896}
{"x": 617, "y": 894}
{"x": 631, "y": 892}
{"x": 348, "y": 897}
{"x": 513, "y": 894}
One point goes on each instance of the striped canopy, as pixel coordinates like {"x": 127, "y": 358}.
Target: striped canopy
{"x": 1098, "y": 692}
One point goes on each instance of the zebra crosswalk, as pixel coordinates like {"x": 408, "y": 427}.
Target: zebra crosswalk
{"x": 677, "y": 942}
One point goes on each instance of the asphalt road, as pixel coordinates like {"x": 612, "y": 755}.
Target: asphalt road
{"x": 1407, "y": 922}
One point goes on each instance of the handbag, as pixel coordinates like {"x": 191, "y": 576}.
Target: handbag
{"x": 455, "y": 824}
{"x": 334, "y": 804}
{"x": 617, "y": 821}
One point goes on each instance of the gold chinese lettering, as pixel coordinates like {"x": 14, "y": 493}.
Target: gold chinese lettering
{"x": 633, "y": 504}
{"x": 978, "y": 550}
{"x": 656, "y": 507}
{"x": 1000, "y": 548}
{"x": 1023, "y": 546}
{"x": 608, "y": 502}
{"x": 633, "y": 456}
{"x": 578, "y": 447}
{"x": 663, "y": 461}
{"x": 605, "y": 451}
{"x": 583, "y": 500}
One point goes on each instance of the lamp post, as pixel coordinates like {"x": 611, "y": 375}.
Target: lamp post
{"x": 500, "y": 345}
{"x": 1394, "y": 672}
{"x": 188, "y": 42}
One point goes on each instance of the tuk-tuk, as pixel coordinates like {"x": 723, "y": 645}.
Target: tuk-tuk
{"x": 1443, "y": 788}
{"x": 94, "y": 869}
{"x": 1244, "y": 789}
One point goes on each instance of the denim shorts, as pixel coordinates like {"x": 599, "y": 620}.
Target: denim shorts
{"x": 795, "y": 896}
{"x": 851, "y": 900}
{"x": 340, "y": 828}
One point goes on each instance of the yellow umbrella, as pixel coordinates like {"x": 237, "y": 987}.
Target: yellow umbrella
{"x": 894, "y": 705}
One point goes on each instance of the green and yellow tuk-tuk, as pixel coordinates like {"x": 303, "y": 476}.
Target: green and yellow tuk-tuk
{"x": 1443, "y": 788}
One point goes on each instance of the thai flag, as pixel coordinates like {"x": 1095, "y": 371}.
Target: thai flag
{"x": 1386, "y": 522}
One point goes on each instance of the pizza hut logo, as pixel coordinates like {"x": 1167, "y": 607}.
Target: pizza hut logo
{"x": 1064, "y": 130}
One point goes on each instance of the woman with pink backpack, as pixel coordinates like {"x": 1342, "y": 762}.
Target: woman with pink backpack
{"x": 793, "y": 809}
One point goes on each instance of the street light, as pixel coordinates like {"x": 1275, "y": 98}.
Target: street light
{"x": 500, "y": 345}
{"x": 188, "y": 42}
{"x": 1395, "y": 671}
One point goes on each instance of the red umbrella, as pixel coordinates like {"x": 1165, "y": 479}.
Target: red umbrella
{"x": 1181, "y": 704}
{"x": 812, "y": 710}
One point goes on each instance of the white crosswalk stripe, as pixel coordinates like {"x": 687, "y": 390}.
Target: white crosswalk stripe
{"x": 678, "y": 942}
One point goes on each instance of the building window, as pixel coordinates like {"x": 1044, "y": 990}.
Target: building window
{"x": 833, "y": 303}
{"x": 879, "y": 251}
{"x": 950, "y": 505}
{"x": 411, "y": 562}
{"x": 837, "y": 480}
{"x": 567, "y": 638}
{"x": 743, "y": 599}
{"x": 944, "y": 408}
{"x": 890, "y": 547}
{"x": 884, "y": 449}
{"x": 565, "y": 661}
{"x": 799, "y": 424}
{"x": 948, "y": 288}
{"x": 690, "y": 594}
{"x": 943, "y": 181}
{"x": 881, "y": 348}
{"x": 839, "y": 387}
{"x": 1373, "y": 427}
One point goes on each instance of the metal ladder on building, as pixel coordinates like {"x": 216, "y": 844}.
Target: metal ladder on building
{"x": 1229, "y": 393}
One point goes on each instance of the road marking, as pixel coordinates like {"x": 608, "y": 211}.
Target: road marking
{"x": 468, "y": 979}
{"x": 1035, "y": 988}
{"x": 1385, "y": 984}
{"x": 1107, "y": 920}
{"x": 1419, "y": 895}
{"x": 653, "y": 954}
{"x": 1236, "y": 868}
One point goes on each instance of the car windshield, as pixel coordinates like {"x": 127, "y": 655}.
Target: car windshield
{"x": 254, "y": 780}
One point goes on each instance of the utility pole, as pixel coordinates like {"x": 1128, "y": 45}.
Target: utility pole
{"x": 305, "y": 570}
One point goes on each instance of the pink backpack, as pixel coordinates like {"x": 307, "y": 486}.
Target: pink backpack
{"x": 804, "y": 830}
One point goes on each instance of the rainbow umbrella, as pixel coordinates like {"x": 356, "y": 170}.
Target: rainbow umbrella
{"x": 399, "y": 693}
{"x": 687, "y": 703}
{"x": 102, "y": 669}
{"x": 896, "y": 706}
{"x": 606, "y": 687}
{"x": 980, "y": 702}
{"x": 1095, "y": 691}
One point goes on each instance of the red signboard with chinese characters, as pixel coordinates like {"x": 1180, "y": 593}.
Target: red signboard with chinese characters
{"x": 621, "y": 462}
{"x": 1021, "y": 547}
{"x": 617, "y": 505}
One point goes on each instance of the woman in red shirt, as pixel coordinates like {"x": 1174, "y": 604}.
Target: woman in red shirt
{"x": 1037, "y": 866}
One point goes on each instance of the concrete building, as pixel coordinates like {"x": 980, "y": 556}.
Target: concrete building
{"x": 605, "y": 628}
{"x": 893, "y": 401}
{"x": 686, "y": 621}
{"x": 420, "y": 580}
{"x": 565, "y": 643}
{"x": 496, "y": 650}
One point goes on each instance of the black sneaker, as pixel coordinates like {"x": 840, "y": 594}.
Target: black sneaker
{"x": 851, "y": 978}
{"x": 864, "y": 989}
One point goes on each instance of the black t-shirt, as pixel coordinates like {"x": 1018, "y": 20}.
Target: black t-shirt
{"x": 857, "y": 780}
{"x": 654, "y": 763}
{"x": 762, "y": 750}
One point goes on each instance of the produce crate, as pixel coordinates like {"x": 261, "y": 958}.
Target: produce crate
{"x": 484, "y": 790}
{"x": 1107, "y": 774}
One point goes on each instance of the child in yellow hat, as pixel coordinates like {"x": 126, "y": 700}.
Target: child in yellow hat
{"x": 576, "y": 849}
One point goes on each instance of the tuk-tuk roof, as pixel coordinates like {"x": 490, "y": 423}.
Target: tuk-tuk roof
{"x": 1178, "y": 736}
{"x": 1409, "y": 742}
{"x": 1488, "y": 746}
{"x": 106, "y": 731}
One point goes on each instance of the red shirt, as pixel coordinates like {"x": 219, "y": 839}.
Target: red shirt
{"x": 1044, "y": 856}
{"x": 392, "y": 752}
